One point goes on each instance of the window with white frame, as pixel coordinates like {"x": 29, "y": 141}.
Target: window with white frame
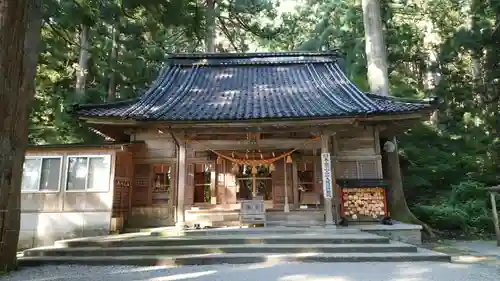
{"x": 88, "y": 173}
{"x": 41, "y": 174}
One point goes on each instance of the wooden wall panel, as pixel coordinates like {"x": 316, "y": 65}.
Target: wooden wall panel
{"x": 368, "y": 169}
{"x": 278, "y": 183}
{"x": 157, "y": 148}
{"x": 358, "y": 143}
{"x": 346, "y": 170}
{"x": 360, "y": 169}
{"x": 318, "y": 176}
{"x": 141, "y": 185}
{"x": 124, "y": 174}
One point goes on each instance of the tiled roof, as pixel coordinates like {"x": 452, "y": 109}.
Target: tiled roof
{"x": 210, "y": 87}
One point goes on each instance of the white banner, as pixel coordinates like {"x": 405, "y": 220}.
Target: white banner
{"x": 326, "y": 166}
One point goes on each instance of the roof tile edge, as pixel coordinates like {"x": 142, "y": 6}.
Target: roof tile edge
{"x": 331, "y": 53}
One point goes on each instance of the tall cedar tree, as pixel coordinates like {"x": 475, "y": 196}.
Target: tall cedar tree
{"x": 19, "y": 33}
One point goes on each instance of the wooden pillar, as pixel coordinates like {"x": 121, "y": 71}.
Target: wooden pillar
{"x": 295, "y": 185}
{"x": 325, "y": 148}
{"x": 254, "y": 186}
{"x": 286, "y": 208}
{"x": 495, "y": 215}
{"x": 213, "y": 185}
{"x": 181, "y": 178}
{"x": 336, "y": 188}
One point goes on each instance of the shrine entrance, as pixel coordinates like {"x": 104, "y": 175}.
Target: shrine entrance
{"x": 263, "y": 183}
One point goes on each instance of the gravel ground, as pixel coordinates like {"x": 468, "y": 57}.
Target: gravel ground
{"x": 416, "y": 271}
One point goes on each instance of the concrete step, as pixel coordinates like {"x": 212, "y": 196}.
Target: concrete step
{"x": 276, "y": 238}
{"x": 239, "y": 258}
{"x": 213, "y": 249}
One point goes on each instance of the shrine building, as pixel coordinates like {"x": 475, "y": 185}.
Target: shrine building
{"x": 215, "y": 129}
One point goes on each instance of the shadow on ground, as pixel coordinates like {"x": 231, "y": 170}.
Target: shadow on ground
{"x": 476, "y": 251}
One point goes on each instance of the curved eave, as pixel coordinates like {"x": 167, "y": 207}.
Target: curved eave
{"x": 108, "y": 105}
{"x": 117, "y": 121}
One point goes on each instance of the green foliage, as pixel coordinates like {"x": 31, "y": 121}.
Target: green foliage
{"x": 464, "y": 213}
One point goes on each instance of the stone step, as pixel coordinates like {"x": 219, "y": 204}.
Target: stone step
{"x": 275, "y": 238}
{"x": 298, "y": 224}
{"x": 213, "y": 249}
{"x": 278, "y": 229}
{"x": 313, "y": 216}
{"x": 239, "y": 258}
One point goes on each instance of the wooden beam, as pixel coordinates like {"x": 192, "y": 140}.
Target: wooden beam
{"x": 222, "y": 129}
{"x": 257, "y": 124}
{"x": 265, "y": 144}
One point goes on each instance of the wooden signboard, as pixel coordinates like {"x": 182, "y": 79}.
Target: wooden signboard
{"x": 326, "y": 167}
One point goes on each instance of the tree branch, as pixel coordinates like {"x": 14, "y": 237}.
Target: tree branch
{"x": 227, "y": 33}
{"x": 56, "y": 32}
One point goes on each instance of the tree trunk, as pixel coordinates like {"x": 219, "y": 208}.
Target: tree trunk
{"x": 113, "y": 59}
{"x": 398, "y": 207}
{"x": 431, "y": 40}
{"x": 17, "y": 70}
{"x": 82, "y": 68}
{"x": 379, "y": 83}
{"x": 375, "y": 48}
{"x": 474, "y": 11}
{"x": 210, "y": 36}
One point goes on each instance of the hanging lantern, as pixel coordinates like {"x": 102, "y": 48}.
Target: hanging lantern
{"x": 254, "y": 170}
{"x": 219, "y": 160}
{"x": 235, "y": 169}
{"x": 272, "y": 168}
{"x": 289, "y": 159}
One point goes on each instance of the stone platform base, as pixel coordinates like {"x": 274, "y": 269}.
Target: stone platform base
{"x": 402, "y": 232}
{"x": 230, "y": 246}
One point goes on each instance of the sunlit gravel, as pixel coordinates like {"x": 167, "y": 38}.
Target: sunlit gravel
{"x": 416, "y": 271}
